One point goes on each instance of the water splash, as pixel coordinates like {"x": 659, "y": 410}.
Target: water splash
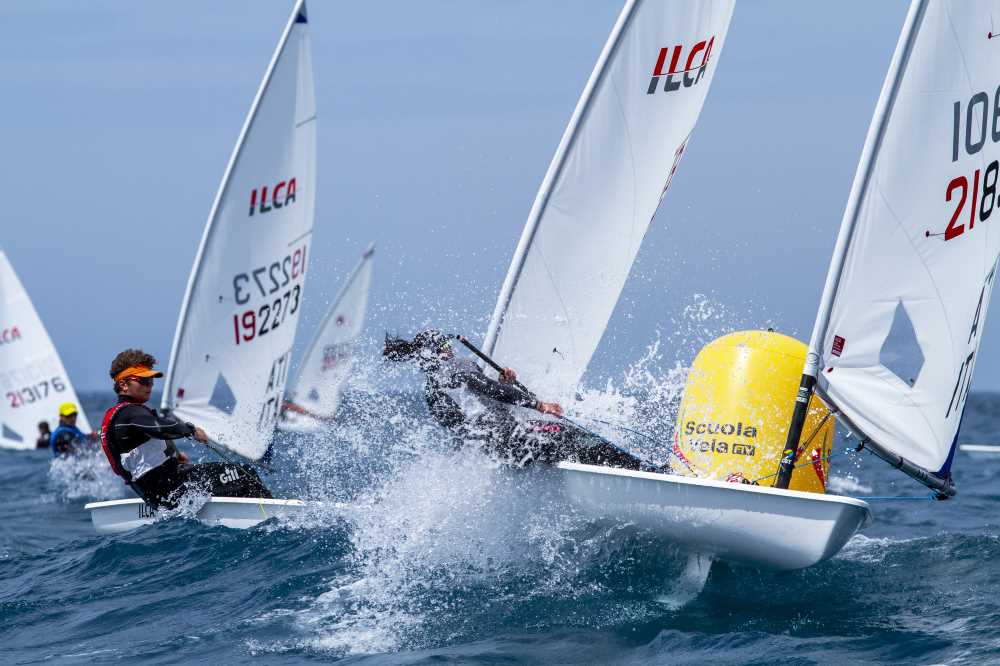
{"x": 85, "y": 475}
{"x": 431, "y": 525}
{"x": 440, "y": 527}
{"x": 848, "y": 484}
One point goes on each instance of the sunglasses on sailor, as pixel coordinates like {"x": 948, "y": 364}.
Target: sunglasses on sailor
{"x": 141, "y": 381}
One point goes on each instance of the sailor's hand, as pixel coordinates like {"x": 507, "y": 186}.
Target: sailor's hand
{"x": 552, "y": 408}
{"x": 181, "y": 458}
{"x": 508, "y": 376}
{"x": 200, "y": 436}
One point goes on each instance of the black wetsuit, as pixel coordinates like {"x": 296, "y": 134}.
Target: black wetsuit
{"x": 151, "y": 468}
{"x": 500, "y": 433}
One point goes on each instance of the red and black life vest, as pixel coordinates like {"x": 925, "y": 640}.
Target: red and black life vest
{"x": 113, "y": 457}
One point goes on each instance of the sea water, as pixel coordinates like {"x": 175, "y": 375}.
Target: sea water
{"x": 414, "y": 551}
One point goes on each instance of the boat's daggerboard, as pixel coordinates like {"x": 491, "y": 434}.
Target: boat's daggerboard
{"x": 609, "y": 174}
{"x": 32, "y": 377}
{"x": 231, "y": 352}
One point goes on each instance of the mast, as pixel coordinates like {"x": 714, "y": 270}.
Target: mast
{"x": 807, "y": 384}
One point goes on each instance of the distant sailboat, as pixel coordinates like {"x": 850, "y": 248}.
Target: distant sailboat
{"x": 32, "y": 377}
{"x": 326, "y": 365}
{"x": 901, "y": 317}
{"x": 231, "y": 351}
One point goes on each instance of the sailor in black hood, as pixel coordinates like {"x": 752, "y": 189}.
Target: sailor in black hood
{"x": 518, "y": 442}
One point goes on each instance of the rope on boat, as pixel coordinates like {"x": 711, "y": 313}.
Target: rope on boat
{"x": 882, "y": 498}
{"x": 808, "y": 462}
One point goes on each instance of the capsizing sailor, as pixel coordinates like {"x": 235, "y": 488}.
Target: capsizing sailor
{"x": 139, "y": 443}
{"x": 495, "y": 428}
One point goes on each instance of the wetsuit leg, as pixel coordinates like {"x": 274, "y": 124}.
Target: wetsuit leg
{"x": 225, "y": 480}
{"x": 157, "y": 486}
{"x": 602, "y": 453}
{"x": 555, "y": 442}
{"x": 499, "y": 435}
{"x": 164, "y": 485}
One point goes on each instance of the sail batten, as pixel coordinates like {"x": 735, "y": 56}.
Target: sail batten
{"x": 903, "y": 309}
{"x": 232, "y": 347}
{"x": 612, "y": 168}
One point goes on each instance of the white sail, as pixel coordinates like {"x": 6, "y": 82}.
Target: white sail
{"x": 607, "y": 178}
{"x": 32, "y": 377}
{"x": 906, "y": 296}
{"x": 326, "y": 365}
{"x": 229, "y": 361}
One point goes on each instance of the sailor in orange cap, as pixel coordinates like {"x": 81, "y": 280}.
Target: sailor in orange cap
{"x": 139, "y": 443}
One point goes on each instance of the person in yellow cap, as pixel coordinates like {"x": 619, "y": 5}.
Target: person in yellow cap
{"x": 139, "y": 443}
{"x": 67, "y": 439}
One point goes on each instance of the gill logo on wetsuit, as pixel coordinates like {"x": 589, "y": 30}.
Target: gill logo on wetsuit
{"x": 229, "y": 475}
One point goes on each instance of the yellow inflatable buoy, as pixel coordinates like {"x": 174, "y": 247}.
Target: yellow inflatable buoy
{"x": 737, "y": 404}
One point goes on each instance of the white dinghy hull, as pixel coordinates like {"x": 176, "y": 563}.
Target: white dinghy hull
{"x": 235, "y": 512}
{"x": 757, "y": 525}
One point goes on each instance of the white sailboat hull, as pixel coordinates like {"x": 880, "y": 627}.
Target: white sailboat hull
{"x": 235, "y": 512}
{"x": 761, "y": 526}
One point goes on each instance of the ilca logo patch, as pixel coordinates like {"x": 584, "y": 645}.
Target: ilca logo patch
{"x": 264, "y": 199}
{"x": 675, "y": 76}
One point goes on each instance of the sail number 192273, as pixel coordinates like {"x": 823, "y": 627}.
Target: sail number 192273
{"x": 972, "y": 130}
{"x": 278, "y": 285}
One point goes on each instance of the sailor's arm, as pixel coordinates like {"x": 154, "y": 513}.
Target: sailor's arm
{"x": 508, "y": 376}
{"x": 159, "y": 427}
{"x": 504, "y": 391}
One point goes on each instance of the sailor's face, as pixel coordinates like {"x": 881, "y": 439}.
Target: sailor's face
{"x": 138, "y": 388}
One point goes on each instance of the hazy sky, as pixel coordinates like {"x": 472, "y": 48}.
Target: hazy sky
{"x": 437, "y": 121}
